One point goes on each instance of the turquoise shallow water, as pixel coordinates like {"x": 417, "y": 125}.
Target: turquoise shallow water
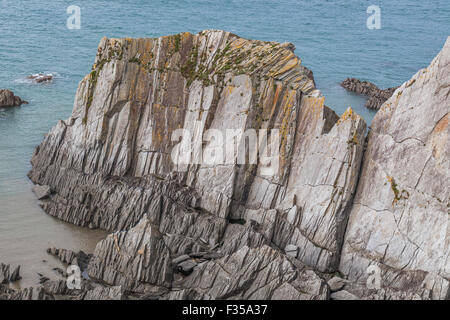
{"x": 331, "y": 37}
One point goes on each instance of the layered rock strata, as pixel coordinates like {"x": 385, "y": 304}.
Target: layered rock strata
{"x": 376, "y": 95}
{"x": 215, "y": 230}
{"x": 8, "y": 274}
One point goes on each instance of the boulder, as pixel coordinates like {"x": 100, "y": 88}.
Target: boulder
{"x": 336, "y": 283}
{"x": 291, "y": 250}
{"x": 104, "y": 293}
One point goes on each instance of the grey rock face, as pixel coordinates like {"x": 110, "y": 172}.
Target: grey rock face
{"x": 41, "y": 192}
{"x": 291, "y": 250}
{"x": 400, "y": 219}
{"x": 129, "y": 258}
{"x": 8, "y": 99}
{"x": 109, "y": 166}
{"x": 7, "y": 274}
{"x": 259, "y": 273}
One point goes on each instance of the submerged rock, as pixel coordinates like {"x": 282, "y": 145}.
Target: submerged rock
{"x": 8, "y": 99}
{"x": 40, "y": 77}
{"x": 376, "y": 95}
{"x": 336, "y": 283}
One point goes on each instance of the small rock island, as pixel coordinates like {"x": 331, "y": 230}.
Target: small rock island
{"x": 8, "y": 99}
{"x": 376, "y": 95}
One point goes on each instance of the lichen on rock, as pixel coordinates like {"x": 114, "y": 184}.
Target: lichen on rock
{"x": 110, "y": 166}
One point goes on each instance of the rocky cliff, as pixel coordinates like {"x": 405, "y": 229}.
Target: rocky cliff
{"x": 400, "y": 218}
{"x": 233, "y": 229}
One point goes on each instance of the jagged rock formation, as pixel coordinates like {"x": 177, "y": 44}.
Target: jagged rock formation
{"x": 79, "y": 258}
{"x": 207, "y": 230}
{"x": 41, "y": 192}
{"x": 376, "y": 95}
{"x": 258, "y": 273}
{"x": 7, "y": 274}
{"x": 8, "y": 99}
{"x": 114, "y": 152}
{"x": 400, "y": 219}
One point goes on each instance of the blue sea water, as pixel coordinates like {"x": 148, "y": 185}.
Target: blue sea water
{"x": 331, "y": 38}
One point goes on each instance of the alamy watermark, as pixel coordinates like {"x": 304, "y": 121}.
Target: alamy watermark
{"x": 226, "y": 147}
{"x": 374, "y": 20}
{"x": 74, "y": 20}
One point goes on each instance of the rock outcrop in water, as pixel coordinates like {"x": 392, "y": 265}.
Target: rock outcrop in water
{"x": 227, "y": 230}
{"x": 376, "y": 95}
{"x": 7, "y": 274}
{"x": 8, "y": 99}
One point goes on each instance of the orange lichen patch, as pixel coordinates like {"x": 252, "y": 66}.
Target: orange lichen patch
{"x": 238, "y": 43}
{"x": 398, "y": 195}
{"x": 347, "y": 115}
{"x": 410, "y": 83}
{"x": 185, "y": 36}
{"x": 147, "y": 56}
{"x": 141, "y": 251}
{"x": 354, "y": 139}
{"x": 439, "y": 138}
{"x": 292, "y": 62}
{"x": 315, "y": 105}
{"x": 287, "y": 107}
{"x": 442, "y": 125}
